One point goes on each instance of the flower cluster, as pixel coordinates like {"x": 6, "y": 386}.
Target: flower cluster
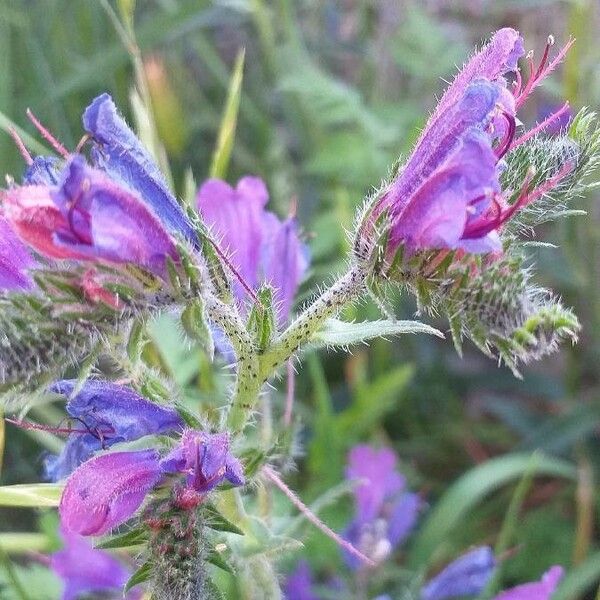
{"x": 105, "y": 489}
{"x": 448, "y": 195}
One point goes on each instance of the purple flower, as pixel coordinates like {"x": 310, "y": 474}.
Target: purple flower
{"x": 466, "y": 576}
{"x": 385, "y": 513}
{"x": 299, "y": 583}
{"x": 539, "y": 590}
{"x": 106, "y": 490}
{"x": 105, "y": 414}
{"x": 205, "y": 459}
{"x": 88, "y": 216}
{"x": 119, "y": 153}
{"x": 85, "y": 570}
{"x": 448, "y": 194}
{"x": 15, "y": 260}
{"x": 263, "y": 249}
{"x": 44, "y": 170}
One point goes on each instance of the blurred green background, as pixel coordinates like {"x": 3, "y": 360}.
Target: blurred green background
{"x": 333, "y": 93}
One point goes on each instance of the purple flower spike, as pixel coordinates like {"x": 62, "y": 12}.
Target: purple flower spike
{"x": 466, "y": 576}
{"x": 385, "y": 512}
{"x": 105, "y": 414}
{"x": 14, "y": 260}
{"x": 106, "y": 221}
{"x": 262, "y": 248}
{"x": 85, "y": 570}
{"x": 106, "y": 490}
{"x": 206, "y": 460}
{"x": 299, "y": 583}
{"x": 539, "y": 590}
{"x": 448, "y": 194}
{"x": 121, "y": 155}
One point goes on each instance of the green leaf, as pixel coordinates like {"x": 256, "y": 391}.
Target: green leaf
{"x": 144, "y": 573}
{"x": 215, "y": 520}
{"x": 471, "y": 488}
{"x": 30, "y": 494}
{"x": 214, "y": 558}
{"x": 343, "y": 333}
{"x": 134, "y": 537}
{"x": 222, "y": 153}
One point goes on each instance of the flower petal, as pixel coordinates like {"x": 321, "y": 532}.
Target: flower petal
{"x": 106, "y": 490}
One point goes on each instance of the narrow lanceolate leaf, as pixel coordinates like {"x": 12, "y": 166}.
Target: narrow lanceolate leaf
{"x": 343, "y": 333}
{"x": 30, "y": 495}
{"x": 471, "y": 489}
{"x": 215, "y": 520}
{"x": 222, "y": 153}
{"x": 144, "y": 573}
{"x": 134, "y": 537}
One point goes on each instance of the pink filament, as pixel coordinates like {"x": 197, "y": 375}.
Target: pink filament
{"x": 540, "y": 126}
{"x": 274, "y": 478}
{"x": 47, "y": 135}
{"x": 21, "y": 146}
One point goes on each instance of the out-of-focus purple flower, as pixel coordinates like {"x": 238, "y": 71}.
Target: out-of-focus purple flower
{"x": 14, "y": 260}
{"x": 119, "y": 153}
{"x": 263, "y": 249}
{"x": 88, "y": 216}
{"x": 107, "y": 489}
{"x": 466, "y": 576}
{"x": 539, "y": 590}
{"x": 385, "y": 512}
{"x": 299, "y": 583}
{"x": 85, "y": 570}
{"x": 106, "y": 413}
{"x": 448, "y": 195}
{"x": 206, "y": 460}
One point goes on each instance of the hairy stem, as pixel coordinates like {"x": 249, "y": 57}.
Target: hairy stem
{"x": 347, "y": 288}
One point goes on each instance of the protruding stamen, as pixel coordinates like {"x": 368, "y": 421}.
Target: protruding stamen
{"x": 82, "y": 142}
{"x": 506, "y": 142}
{"x": 541, "y": 126}
{"x": 20, "y": 146}
{"x": 47, "y": 135}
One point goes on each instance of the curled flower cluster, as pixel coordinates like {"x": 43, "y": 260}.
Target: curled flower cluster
{"x": 448, "y": 195}
{"x": 104, "y": 490}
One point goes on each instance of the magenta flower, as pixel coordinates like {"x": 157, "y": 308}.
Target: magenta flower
{"x": 106, "y": 490}
{"x": 262, "y": 248}
{"x": 15, "y": 260}
{"x": 539, "y": 590}
{"x": 85, "y": 570}
{"x": 448, "y": 194}
{"x": 87, "y": 216}
{"x": 385, "y": 512}
{"x": 205, "y": 459}
{"x": 466, "y": 576}
{"x": 104, "y": 414}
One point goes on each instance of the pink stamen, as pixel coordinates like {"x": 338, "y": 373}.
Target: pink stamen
{"x": 236, "y": 273}
{"x": 20, "y": 146}
{"x": 47, "y": 135}
{"x": 518, "y": 84}
{"x": 29, "y": 426}
{"x": 541, "y": 126}
{"x": 546, "y": 186}
{"x": 505, "y": 144}
{"x": 543, "y": 70}
{"x": 82, "y": 142}
{"x": 274, "y": 478}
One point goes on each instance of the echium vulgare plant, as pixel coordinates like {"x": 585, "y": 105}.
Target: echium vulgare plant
{"x": 93, "y": 245}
